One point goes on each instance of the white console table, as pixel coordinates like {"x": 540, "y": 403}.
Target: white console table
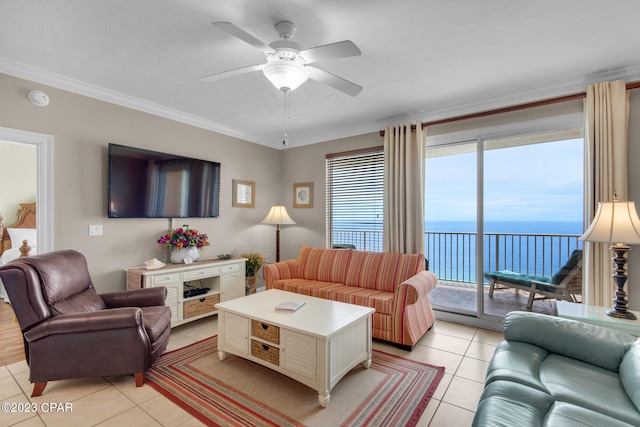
{"x": 221, "y": 280}
{"x": 595, "y": 315}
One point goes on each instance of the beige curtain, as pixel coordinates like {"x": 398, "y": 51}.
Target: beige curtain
{"x": 403, "y": 227}
{"x": 606, "y": 117}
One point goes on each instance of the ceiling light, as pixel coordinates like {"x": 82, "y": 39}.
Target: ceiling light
{"x": 285, "y": 74}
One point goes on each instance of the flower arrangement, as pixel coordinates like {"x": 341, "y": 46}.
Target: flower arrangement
{"x": 255, "y": 260}
{"x": 184, "y": 237}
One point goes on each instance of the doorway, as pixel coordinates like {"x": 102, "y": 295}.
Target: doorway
{"x": 13, "y": 350}
{"x": 44, "y": 192}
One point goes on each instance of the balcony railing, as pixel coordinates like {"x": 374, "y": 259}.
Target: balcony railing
{"x": 364, "y": 240}
{"x": 452, "y": 255}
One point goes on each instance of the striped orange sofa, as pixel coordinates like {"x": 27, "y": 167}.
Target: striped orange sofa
{"x": 395, "y": 285}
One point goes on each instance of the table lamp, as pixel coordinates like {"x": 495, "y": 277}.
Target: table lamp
{"x": 616, "y": 223}
{"x": 277, "y": 215}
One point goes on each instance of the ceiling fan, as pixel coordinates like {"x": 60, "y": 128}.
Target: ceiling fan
{"x": 288, "y": 64}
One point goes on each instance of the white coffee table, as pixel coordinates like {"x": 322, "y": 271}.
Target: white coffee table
{"x": 316, "y": 345}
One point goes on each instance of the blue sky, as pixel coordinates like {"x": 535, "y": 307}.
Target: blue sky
{"x": 537, "y": 182}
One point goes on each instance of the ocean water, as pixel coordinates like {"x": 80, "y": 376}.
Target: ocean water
{"x": 536, "y": 248}
{"x": 533, "y": 227}
{"x": 525, "y": 227}
{"x": 532, "y": 247}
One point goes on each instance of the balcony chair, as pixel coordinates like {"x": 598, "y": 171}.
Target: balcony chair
{"x": 566, "y": 284}
{"x": 70, "y": 331}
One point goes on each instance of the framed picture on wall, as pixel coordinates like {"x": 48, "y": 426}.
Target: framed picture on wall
{"x": 303, "y": 195}
{"x": 244, "y": 194}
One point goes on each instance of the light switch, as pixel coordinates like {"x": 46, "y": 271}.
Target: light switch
{"x": 95, "y": 230}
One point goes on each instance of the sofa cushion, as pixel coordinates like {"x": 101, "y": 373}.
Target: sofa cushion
{"x": 517, "y": 362}
{"x": 630, "y": 374}
{"x": 83, "y": 302}
{"x": 326, "y": 265}
{"x": 382, "y": 271}
{"x": 518, "y": 278}
{"x": 508, "y": 404}
{"x": 314, "y": 288}
{"x": 382, "y": 302}
{"x": 593, "y": 344}
{"x": 576, "y": 257}
{"x": 583, "y": 384}
{"x": 568, "y": 415}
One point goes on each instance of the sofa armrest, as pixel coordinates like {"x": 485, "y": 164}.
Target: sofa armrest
{"x": 279, "y": 270}
{"x": 581, "y": 341}
{"x": 118, "y": 318}
{"x": 416, "y": 287}
{"x": 145, "y": 297}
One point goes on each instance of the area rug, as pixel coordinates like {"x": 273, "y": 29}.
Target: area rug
{"x": 394, "y": 391}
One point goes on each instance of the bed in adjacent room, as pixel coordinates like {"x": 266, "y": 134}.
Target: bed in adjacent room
{"x": 12, "y": 244}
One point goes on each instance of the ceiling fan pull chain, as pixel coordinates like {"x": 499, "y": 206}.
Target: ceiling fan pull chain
{"x": 285, "y": 141}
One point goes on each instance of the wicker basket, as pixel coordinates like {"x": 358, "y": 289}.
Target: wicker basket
{"x": 265, "y": 352}
{"x": 134, "y": 280}
{"x": 265, "y": 331}
{"x": 199, "y": 306}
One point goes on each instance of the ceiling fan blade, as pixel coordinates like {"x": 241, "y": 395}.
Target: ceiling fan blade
{"x": 229, "y": 28}
{"x": 334, "y": 81}
{"x": 341, "y": 49}
{"x": 231, "y": 73}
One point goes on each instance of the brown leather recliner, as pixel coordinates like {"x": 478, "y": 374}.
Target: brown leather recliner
{"x": 70, "y": 331}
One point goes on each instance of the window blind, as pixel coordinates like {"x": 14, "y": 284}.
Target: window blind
{"x": 354, "y": 199}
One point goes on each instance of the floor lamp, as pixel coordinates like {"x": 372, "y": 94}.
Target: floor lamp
{"x": 616, "y": 223}
{"x": 277, "y": 215}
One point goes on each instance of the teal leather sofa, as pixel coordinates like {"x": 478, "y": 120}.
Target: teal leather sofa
{"x": 551, "y": 371}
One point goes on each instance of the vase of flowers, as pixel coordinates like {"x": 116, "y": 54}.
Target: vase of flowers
{"x": 185, "y": 243}
{"x": 255, "y": 260}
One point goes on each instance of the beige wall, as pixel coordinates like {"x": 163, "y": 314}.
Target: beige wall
{"x": 83, "y": 127}
{"x": 18, "y": 172}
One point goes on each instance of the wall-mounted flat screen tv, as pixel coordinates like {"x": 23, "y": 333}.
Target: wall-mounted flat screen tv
{"x": 150, "y": 184}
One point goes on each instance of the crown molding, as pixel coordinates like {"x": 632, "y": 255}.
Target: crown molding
{"x": 454, "y": 109}
{"x": 58, "y": 81}
{"x": 530, "y": 94}
{"x": 464, "y": 107}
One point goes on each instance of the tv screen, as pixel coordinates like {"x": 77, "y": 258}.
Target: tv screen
{"x": 150, "y": 184}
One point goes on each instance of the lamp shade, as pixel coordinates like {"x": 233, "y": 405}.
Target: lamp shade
{"x": 277, "y": 215}
{"x": 285, "y": 74}
{"x": 614, "y": 222}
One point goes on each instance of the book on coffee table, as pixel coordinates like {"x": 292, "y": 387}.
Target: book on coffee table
{"x": 290, "y": 306}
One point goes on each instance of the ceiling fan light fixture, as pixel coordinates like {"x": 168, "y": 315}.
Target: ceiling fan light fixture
{"x": 285, "y": 75}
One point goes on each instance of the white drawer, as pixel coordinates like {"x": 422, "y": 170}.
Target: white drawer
{"x": 199, "y": 273}
{"x": 230, "y": 268}
{"x": 162, "y": 279}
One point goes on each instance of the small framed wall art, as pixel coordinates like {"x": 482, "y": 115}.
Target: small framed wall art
{"x": 303, "y": 195}
{"x": 244, "y": 194}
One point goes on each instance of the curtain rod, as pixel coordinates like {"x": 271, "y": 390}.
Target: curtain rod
{"x": 525, "y": 106}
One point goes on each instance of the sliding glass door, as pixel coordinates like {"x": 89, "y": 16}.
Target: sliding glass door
{"x": 451, "y": 210}
{"x": 501, "y": 203}
{"x": 532, "y": 212}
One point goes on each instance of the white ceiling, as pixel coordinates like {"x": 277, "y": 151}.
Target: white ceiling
{"x": 421, "y": 59}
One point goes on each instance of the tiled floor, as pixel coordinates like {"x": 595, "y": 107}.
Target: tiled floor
{"x": 115, "y": 401}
